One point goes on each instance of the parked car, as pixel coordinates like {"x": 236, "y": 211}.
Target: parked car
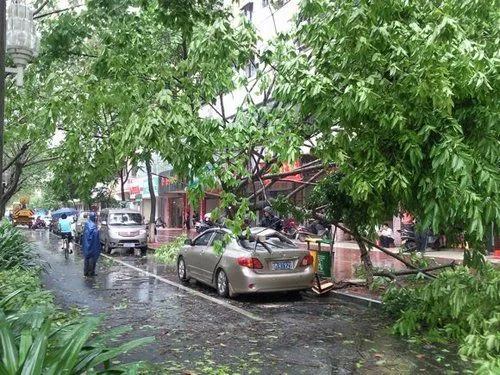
{"x": 81, "y": 218}
{"x": 266, "y": 261}
{"x": 121, "y": 227}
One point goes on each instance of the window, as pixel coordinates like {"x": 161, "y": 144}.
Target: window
{"x": 273, "y": 241}
{"x": 125, "y": 219}
{"x": 203, "y": 239}
{"x": 247, "y": 10}
{"x": 265, "y": 3}
{"x": 220, "y": 236}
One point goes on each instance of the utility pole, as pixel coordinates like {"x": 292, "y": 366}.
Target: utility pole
{"x": 3, "y": 36}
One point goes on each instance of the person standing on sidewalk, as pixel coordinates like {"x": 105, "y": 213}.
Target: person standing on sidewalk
{"x": 91, "y": 245}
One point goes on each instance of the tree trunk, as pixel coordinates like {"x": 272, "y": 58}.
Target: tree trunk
{"x": 365, "y": 258}
{"x": 152, "y": 215}
{"x": 122, "y": 186}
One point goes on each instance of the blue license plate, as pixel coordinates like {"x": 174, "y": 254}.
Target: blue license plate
{"x": 282, "y": 265}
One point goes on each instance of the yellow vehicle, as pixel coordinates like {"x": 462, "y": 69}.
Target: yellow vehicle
{"x": 21, "y": 215}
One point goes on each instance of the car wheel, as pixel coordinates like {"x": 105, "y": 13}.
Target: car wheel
{"x": 144, "y": 251}
{"x": 181, "y": 269}
{"x": 222, "y": 284}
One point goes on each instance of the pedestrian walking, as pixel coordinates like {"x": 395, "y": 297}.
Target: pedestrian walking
{"x": 91, "y": 245}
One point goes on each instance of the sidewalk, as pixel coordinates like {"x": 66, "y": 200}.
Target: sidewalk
{"x": 346, "y": 257}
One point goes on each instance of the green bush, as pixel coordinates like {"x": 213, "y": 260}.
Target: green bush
{"x": 15, "y": 251}
{"x": 459, "y": 305}
{"x": 32, "y": 343}
{"x": 167, "y": 253}
{"x": 27, "y": 283}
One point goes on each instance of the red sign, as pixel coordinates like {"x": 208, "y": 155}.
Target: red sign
{"x": 285, "y": 167}
{"x": 135, "y": 189}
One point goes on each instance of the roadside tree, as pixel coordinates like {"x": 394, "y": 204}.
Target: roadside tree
{"x": 405, "y": 97}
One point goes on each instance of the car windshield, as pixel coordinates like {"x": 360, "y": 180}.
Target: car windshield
{"x": 272, "y": 241}
{"x": 125, "y": 219}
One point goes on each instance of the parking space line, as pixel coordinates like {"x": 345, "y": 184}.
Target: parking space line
{"x": 185, "y": 288}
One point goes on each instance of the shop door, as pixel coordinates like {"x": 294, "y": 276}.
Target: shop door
{"x": 176, "y": 212}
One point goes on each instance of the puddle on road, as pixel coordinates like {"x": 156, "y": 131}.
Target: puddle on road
{"x": 300, "y": 334}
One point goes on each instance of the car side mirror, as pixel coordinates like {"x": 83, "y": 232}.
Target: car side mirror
{"x": 188, "y": 241}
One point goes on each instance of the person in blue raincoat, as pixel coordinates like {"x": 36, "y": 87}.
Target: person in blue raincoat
{"x": 91, "y": 245}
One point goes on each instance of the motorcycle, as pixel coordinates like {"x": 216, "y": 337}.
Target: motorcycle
{"x": 38, "y": 225}
{"x": 411, "y": 241}
{"x": 315, "y": 229}
{"x": 202, "y": 226}
{"x": 409, "y": 238}
{"x": 289, "y": 228}
{"x": 158, "y": 223}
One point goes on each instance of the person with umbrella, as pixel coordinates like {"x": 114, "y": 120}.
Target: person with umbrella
{"x": 91, "y": 245}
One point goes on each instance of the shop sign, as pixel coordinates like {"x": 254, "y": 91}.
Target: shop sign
{"x": 285, "y": 167}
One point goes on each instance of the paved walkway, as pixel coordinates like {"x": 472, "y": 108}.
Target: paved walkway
{"x": 346, "y": 258}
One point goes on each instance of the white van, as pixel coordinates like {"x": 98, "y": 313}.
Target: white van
{"x": 124, "y": 228}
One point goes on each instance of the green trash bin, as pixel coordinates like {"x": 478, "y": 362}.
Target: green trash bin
{"x": 324, "y": 264}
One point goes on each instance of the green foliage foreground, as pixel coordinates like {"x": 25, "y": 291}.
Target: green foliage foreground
{"x": 167, "y": 253}
{"x": 458, "y": 305}
{"x": 15, "y": 251}
{"x": 37, "y": 339}
{"x": 32, "y": 343}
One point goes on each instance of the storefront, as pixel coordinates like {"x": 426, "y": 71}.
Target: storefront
{"x": 172, "y": 200}
{"x": 140, "y": 199}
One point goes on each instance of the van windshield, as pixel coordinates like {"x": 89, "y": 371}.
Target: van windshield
{"x": 125, "y": 219}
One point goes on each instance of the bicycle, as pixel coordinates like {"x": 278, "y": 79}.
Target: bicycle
{"x": 66, "y": 245}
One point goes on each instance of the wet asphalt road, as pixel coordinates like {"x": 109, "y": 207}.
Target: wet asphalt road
{"x": 298, "y": 334}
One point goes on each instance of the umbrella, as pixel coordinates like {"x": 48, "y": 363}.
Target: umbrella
{"x": 68, "y": 211}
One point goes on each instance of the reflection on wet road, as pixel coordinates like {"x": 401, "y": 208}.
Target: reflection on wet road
{"x": 299, "y": 334}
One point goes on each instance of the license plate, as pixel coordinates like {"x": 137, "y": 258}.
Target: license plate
{"x": 282, "y": 265}
{"x": 129, "y": 245}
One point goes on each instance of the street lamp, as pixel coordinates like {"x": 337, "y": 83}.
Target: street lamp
{"x": 19, "y": 38}
{"x": 22, "y": 38}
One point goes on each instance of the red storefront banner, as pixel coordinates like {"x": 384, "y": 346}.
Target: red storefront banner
{"x": 285, "y": 167}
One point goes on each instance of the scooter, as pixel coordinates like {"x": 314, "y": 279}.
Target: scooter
{"x": 411, "y": 242}
{"x": 202, "y": 226}
{"x": 409, "y": 239}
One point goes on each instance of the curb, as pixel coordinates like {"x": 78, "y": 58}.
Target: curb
{"x": 365, "y": 301}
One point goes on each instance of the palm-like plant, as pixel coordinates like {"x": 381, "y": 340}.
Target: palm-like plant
{"x": 14, "y": 249}
{"x": 31, "y": 343}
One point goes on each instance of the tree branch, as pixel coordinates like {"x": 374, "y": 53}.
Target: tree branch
{"x": 40, "y": 161}
{"x": 40, "y": 7}
{"x": 18, "y": 155}
{"x": 57, "y": 11}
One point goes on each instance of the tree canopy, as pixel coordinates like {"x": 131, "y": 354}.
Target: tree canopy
{"x": 405, "y": 95}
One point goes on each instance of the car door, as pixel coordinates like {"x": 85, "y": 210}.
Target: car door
{"x": 194, "y": 255}
{"x": 210, "y": 258}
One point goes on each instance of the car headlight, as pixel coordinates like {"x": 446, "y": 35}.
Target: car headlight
{"x": 142, "y": 232}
